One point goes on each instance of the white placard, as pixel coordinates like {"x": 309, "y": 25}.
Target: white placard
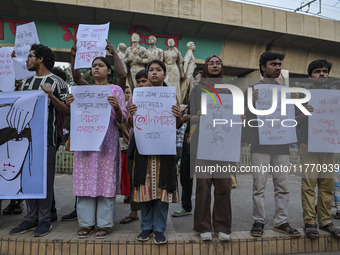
{"x": 154, "y": 123}
{"x": 7, "y": 77}
{"x": 26, "y": 35}
{"x": 276, "y": 129}
{"x": 222, "y": 142}
{"x": 90, "y": 116}
{"x": 91, "y": 43}
{"x": 324, "y": 123}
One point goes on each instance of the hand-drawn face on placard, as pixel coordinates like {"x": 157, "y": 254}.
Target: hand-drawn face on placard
{"x": 14, "y": 148}
{"x": 15, "y": 141}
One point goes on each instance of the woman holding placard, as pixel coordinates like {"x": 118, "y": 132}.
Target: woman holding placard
{"x": 155, "y": 176}
{"x": 220, "y": 220}
{"x": 97, "y": 174}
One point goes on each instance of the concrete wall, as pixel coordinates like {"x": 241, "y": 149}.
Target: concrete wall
{"x": 245, "y": 31}
{"x": 225, "y": 12}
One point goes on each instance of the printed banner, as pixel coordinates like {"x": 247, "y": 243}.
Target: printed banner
{"x": 23, "y": 144}
{"x": 324, "y": 123}
{"x": 90, "y": 116}
{"x": 222, "y": 142}
{"x": 154, "y": 123}
{"x": 7, "y": 77}
{"x": 26, "y": 35}
{"x": 91, "y": 43}
{"x": 274, "y": 129}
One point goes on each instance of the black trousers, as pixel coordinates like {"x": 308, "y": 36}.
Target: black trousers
{"x": 135, "y": 206}
{"x": 186, "y": 181}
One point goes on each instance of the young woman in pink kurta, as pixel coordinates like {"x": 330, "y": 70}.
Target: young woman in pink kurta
{"x": 97, "y": 174}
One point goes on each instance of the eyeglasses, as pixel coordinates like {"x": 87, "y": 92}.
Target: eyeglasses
{"x": 31, "y": 56}
{"x": 214, "y": 63}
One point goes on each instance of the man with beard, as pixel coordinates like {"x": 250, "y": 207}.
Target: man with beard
{"x": 41, "y": 60}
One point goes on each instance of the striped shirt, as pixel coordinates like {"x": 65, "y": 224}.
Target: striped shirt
{"x": 59, "y": 90}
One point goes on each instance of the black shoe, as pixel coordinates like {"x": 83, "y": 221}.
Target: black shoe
{"x": 54, "y": 217}
{"x": 23, "y": 227}
{"x": 70, "y": 216}
{"x": 159, "y": 238}
{"x": 8, "y": 209}
{"x": 144, "y": 236}
{"x": 42, "y": 229}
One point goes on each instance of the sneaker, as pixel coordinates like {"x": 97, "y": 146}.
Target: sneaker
{"x": 181, "y": 213}
{"x": 42, "y": 229}
{"x": 144, "y": 236}
{"x": 23, "y": 227}
{"x": 54, "y": 217}
{"x": 70, "y": 216}
{"x": 223, "y": 236}
{"x": 206, "y": 236}
{"x": 159, "y": 238}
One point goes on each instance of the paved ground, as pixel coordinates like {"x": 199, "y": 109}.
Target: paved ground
{"x": 241, "y": 209}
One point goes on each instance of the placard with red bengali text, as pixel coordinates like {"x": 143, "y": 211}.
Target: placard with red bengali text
{"x": 154, "y": 123}
{"x": 91, "y": 43}
{"x": 90, "y": 116}
{"x": 7, "y": 77}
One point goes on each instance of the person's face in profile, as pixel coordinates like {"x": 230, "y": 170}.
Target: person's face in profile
{"x": 32, "y": 62}
{"x": 13, "y": 151}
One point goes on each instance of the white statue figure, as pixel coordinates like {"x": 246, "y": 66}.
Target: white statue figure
{"x": 135, "y": 58}
{"x": 174, "y": 66}
{"x": 153, "y": 51}
{"x": 121, "y": 51}
{"x": 189, "y": 67}
{"x": 121, "y": 54}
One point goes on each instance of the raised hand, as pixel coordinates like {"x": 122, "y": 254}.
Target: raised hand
{"x": 21, "y": 113}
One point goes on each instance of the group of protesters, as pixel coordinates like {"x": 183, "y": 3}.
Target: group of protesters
{"x": 153, "y": 178}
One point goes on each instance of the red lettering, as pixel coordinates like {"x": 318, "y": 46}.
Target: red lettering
{"x": 12, "y": 23}
{"x": 68, "y": 35}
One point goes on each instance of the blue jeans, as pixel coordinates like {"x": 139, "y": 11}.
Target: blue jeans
{"x": 154, "y": 215}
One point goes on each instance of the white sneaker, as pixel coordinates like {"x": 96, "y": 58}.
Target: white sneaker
{"x": 206, "y": 236}
{"x": 223, "y": 236}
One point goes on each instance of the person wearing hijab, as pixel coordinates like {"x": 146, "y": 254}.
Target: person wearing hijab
{"x": 220, "y": 220}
